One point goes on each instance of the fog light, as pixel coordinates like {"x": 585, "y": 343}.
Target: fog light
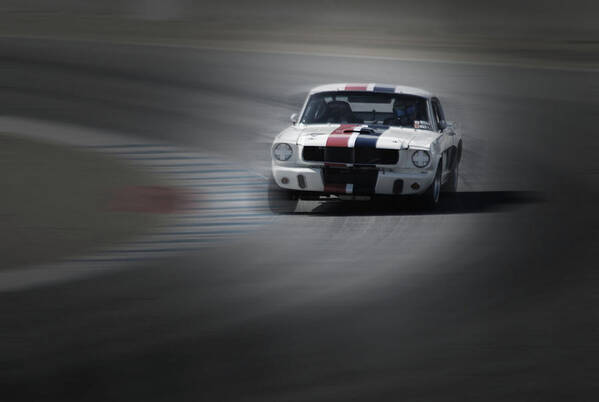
{"x": 284, "y": 180}
{"x": 415, "y": 186}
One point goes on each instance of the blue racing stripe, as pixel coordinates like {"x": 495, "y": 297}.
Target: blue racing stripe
{"x": 368, "y": 139}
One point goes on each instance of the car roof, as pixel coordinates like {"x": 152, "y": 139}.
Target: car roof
{"x": 371, "y": 87}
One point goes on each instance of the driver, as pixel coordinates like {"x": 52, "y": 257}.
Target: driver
{"x": 403, "y": 115}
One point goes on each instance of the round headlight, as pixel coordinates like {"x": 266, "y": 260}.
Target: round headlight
{"x": 421, "y": 159}
{"x": 283, "y": 152}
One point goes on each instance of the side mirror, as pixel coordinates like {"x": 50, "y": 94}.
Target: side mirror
{"x": 447, "y": 125}
{"x": 293, "y": 118}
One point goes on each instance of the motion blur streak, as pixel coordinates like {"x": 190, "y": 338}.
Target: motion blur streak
{"x": 493, "y": 297}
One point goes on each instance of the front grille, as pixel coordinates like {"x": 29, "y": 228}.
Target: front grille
{"x": 362, "y": 179}
{"x": 361, "y": 156}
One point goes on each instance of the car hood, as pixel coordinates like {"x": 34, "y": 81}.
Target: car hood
{"x": 386, "y": 137}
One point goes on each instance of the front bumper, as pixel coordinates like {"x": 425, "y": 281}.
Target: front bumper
{"x": 386, "y": 181}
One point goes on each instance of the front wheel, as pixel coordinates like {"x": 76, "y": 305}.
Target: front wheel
{"x": 433, "y": 193}
{"x": 451, "y": 185}
{"x": 281, "y": 201}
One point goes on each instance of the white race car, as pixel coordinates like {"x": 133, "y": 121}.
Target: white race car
{"x": 354, "y": 141}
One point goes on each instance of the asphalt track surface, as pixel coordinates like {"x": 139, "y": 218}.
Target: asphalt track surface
{"x": 493, "y": 297}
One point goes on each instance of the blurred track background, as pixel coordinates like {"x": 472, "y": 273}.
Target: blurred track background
{"x": 493, "y": 297}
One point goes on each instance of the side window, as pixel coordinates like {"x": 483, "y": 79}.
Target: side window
{"x": 438, "y": 111}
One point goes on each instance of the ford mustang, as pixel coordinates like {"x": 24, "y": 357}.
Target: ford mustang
{"x": 357, "y": 141}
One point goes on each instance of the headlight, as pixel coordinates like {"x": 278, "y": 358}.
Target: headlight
{"x": 283, "y": 152}
{"x": 421, "y": 159}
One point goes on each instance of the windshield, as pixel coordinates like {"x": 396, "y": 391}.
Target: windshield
{"x": 345, "y": 107}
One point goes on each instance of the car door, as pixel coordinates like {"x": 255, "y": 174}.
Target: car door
{"x": 448, "y": 137}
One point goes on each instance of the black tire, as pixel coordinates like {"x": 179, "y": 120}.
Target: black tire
{"x": 433, "y": 193}
{"x": 281, "y": 201}
{"x": 451, "y": 185}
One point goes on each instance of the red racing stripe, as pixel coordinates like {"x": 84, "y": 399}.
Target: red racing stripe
{"x": 356, "y": 87}
{"x": 338, "y": 138}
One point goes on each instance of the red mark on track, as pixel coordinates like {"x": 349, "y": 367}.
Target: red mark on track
{"x": 356, "y": 87}
{"x": 147, "y": 199}
{"x": 338, "y": 138}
